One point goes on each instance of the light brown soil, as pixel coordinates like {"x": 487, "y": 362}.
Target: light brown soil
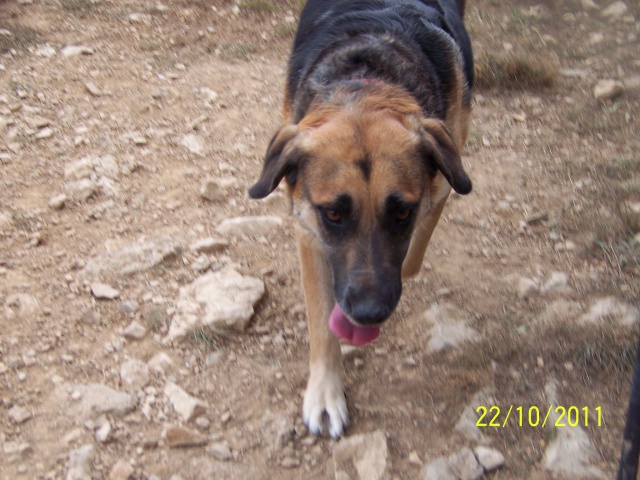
{"x": 568, "y": 157}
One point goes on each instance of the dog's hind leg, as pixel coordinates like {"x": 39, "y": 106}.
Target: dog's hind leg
{"x": 325, "y": 391}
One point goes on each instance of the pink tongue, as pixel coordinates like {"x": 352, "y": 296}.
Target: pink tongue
{"x": 342, "y": 328}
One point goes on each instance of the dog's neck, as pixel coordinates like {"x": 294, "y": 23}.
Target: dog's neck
{"x": 357, "y": 64}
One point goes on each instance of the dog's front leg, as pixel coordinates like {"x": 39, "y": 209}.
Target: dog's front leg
{"x": 325, "y": 391}
{"x": 422, "y": 236}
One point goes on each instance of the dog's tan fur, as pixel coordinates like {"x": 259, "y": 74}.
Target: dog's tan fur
{"x": 334, "y": 170}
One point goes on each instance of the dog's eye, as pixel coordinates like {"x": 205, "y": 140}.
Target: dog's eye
{"x": 403, "y": 214}
{"x": 332, "y": 215}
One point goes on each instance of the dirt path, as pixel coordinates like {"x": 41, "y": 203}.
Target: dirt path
{"x": 124, "y": 131}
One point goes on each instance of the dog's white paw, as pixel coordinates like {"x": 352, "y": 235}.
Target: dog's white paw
{"x": 325, "y": 395}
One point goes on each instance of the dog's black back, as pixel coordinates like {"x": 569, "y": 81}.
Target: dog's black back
{"x": 372, "y": 35}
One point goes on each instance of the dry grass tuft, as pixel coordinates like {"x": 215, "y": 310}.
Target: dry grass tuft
{"x": 514, "y": 71}
{"x": 17, "y": 37}
{"x": 210, "y": 337}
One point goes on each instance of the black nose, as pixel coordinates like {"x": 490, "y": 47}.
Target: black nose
{"x": 369, "y": 311}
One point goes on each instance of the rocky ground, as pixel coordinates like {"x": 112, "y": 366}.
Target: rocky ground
{"x": 151, "y": 315}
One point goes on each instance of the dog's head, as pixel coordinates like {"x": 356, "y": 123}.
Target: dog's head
{"x": 358, "y": 177}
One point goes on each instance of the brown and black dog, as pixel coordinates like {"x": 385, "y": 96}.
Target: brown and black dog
{"x": 376, "y": 111}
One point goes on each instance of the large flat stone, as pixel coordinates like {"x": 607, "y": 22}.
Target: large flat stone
{"x": 362, "y": 457}
{"x": 132, "y": 258}
{"x": 220, "y": 298}
{"x": 449, "y": 327}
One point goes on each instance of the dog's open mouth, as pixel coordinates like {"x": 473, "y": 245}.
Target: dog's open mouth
{"x": 345, "y": 330}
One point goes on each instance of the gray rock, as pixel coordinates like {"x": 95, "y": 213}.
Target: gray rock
{"x": 209, "y": 245}
{"x": 211, "y": 96}
{"x": 557, "y": 282}
{"x": 193, "y": 143}
{"x": 103, "y": 291}
{"x": 185, "y": 405}
{"x": 128, "y": 307}
{"x": 489, "y": 458}
{"x": 137, "y": 17}
{"x": 526, "y": 287}
{"x": 122, "y": 470}
{"x": 213, "y": 358}
{"x": 78, "y": 170}
{"x": 89, "y": 166}
{"x": 103, "y": 434}
{"x": 362, "y": 457}
{"x": 438, "y": 469}
{"x": 465, "y": 465}
{"x": 589, "y": 5}
{"x": 610, "y": 309}
{"x": 80, "y": 463}
{"x": 19, "y": 415}
{"x": 277, "y": 430}
{"x": 181, "y": 437}
{"x": 46, "y": 132}
{"x": 615, "y": 10}
{"x": 571, "y": 453}
{"x": 414, "y": 459}
{"x": 212, "y": 191}
{"x": 449, "y": 327}
{"x": 201, "y": 264}
{"x": 91, "y": 317}
{"x": 608, "y": 89}
{"x": 134, "y": 374}
{"x": 202, "y": 423}
{"x": 467, "y": 423}
{"x": 96, "y": 399}
{"x": 134, "y": 331}
{"x": 161, "y": 363}
{"x": 561, "y": 310}
{"x": 94, "y": 90}
{"x": 133, "y": 258}
{"x": 630, "y": 213}
{"x": 46, "y": 51}
{"x": 76, "y": 50}
{"x": 21, "y": 306}
{"x": 57, "y": 202}
{"x": 222, "y": 298}
{"x": 16, "y": 448}
{"x": 290, "y": 462}
{"x": 249, "y": 226}
{"x": 81, "y": 190}
{"x": 220, "y": 451}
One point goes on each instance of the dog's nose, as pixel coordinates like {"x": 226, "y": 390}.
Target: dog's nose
{"x": 369, "y": 311}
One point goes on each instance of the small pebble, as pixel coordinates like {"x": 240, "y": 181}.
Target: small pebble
{"x": 57, "y": 202}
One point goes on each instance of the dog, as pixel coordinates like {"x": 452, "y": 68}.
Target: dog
{"x": 376, "y": 111}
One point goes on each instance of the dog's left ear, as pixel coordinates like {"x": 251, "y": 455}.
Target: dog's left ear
{"x": 280, "y": 160}
{"x": 440, "y": 149}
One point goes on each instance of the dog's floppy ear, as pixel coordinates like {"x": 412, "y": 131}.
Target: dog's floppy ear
{"x": 440, "y": 149}
{"x": 280, "y": 160}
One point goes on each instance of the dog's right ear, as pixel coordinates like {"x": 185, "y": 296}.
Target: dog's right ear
{"x": 282, "y": 159}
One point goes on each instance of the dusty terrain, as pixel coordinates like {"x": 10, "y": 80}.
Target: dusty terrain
{"x": 172, "y": 94}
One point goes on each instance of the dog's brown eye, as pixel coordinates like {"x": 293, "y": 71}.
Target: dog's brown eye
{"x": 403, "y": 214}
{"x": 332, "y": 215}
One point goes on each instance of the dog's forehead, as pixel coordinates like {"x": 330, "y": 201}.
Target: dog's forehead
{"x": 367, "y": 159}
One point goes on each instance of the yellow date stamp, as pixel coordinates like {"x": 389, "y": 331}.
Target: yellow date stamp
{"x": 533, "y": 416}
